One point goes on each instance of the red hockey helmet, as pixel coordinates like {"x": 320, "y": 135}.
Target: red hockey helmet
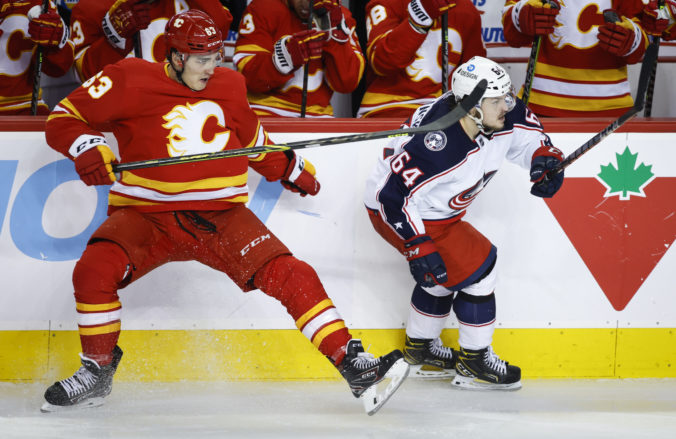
{"x": 192, "y": 32}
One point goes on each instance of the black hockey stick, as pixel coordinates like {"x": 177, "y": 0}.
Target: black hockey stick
{"x": 649, "y": 60}
{"x": 38, "y": 69}
{"x": 449, "y": 119}
{"x": 444, "y": 52}
{"x": 136, "y": 39}
{"x": 532, "y": 60}
{"x": 306, "y": 68}
{"x": 647, "y": 112}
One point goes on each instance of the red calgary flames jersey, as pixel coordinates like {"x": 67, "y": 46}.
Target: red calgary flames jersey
{"x": 17, "y": 61}
{"x": 93, "y": 51}
{"x": 574, "y": 76}
{"x": 272, "y": 93}
{"x": 152, "y": 116}
{"x": 405, "y": 65}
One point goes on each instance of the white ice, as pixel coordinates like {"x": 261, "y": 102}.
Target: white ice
{"x": 566, "y": 409}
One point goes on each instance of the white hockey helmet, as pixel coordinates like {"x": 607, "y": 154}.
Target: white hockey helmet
{"x": 467, "y": 75}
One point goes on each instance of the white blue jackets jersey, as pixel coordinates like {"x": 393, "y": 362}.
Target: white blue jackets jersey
{"x": 435, "y": 176}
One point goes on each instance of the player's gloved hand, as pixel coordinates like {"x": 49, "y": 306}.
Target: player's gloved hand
{"x": 300, "y": 176}
{"x": 654, "y": 20}
{"x": 338, "y": 28}
{"x": 9, "y": 6}
{"x": 48, "y": 29}
{"x": 545, "y": 183}
{"x": 422, "y": 13}
{"x": 124, "y": 19}
{"x": 424, "y": 261}
{"x": 535, "y": 17}
{"x": 620, "y": 38}
{"x": 93, "y": 160}
{"x": 292, "y": 52}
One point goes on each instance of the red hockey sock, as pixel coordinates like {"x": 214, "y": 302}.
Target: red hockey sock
{"x": 297, "y": 286}
{"x": 96, "y": 278}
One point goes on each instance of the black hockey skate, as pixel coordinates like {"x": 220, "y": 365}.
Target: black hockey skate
{"x": 429, "y": 358}
{"x": 484, "y": 370}
{"x": 373, "y": 380}
{"x": 86, "y": 388}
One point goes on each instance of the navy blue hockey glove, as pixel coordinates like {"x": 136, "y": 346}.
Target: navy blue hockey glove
{"x": 545, "y": 183}
{"x": 427, "y": 267}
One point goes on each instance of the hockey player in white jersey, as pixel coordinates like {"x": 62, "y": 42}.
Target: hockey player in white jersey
{"x": 416, "y": 198}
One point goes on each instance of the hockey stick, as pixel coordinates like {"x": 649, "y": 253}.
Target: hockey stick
{"x": 647, "y": 112}
{"x": 136, "y": 39}
{"x": 306, "y": 67}
{"x": 447, "y": 120}
{"x": 38, "y": 69}
{"x": 444, "y": 52}
{"x": 534, "y": 53}
{"x": 649, "y": 60}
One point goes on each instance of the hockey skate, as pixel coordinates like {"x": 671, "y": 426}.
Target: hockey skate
{"x": 86, "y": 388}
{"x": 373, "y": 380}
{"x": 483, "y": 370}
{"x": 429, "y": 358}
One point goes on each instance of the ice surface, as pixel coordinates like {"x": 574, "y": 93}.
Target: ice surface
{"x": 640, "y": 408}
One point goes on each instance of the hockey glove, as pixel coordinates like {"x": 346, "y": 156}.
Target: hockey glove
{"x": 424, "y": 261}
{"x": 124, "y": 19}
{"x": 535, "y": 17}
{"x": 9, "y": 6}
{"x": 93, "y": 160}
{"x": 292, "y": 52}
{"x": 654, "y": 20}
{"x": 48, "y": 29}
{"x": 545, "y": 183}
{"x": 300, "y": 176}
{"x": 621, "y": 38}
{"x": 338, "y": 29}
{"x": 422, "y": 13}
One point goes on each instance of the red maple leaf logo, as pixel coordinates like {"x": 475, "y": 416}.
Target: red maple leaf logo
{"x": 621, "y": 223}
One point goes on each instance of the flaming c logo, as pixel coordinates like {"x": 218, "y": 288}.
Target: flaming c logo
{"x": 188, "y": 126}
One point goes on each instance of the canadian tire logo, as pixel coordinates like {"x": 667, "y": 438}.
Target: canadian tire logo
{"x": 621, "y": 223}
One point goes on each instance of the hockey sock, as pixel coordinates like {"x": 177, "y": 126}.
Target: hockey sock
{"x": 476, "y": 315}
{"x": 96, "y": 278}
{"x": 428, "y": 312}
{"x": 296, "y": 285}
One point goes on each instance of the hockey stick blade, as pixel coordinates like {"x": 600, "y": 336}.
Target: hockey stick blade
{"x": 447, "y": 120}
{"x": 646, "y": 67}
{"x": 377, "y": 395}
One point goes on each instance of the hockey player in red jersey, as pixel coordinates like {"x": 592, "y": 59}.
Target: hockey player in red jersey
{"x": 194, "y": 212}
{"x": 416, "y": 198}
{"x": 104, "y": 30}
{"x": 24, "y": 28}
{"x": 404, "y": 52}
{"x": 660, "y": 21}
{"x": 274, "y": 46}
{"x": 581, "y": 68}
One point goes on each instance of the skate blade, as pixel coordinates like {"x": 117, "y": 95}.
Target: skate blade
{"x": 430, "y": 372}
{"x": 377, "y": 395}
{"x": 467, "y": 383}
{"x": 89, "y": 403}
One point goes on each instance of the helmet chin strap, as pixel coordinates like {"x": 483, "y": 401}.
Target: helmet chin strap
{"x": 479, "y": 121}
{"x": 179, "y": 73}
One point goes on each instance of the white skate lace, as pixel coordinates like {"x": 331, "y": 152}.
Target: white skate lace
{"x": 437, "y": 348}
{"x": 494, "y": 361}
{"x": 364, "y": 360}
{"x": 78, "y": 383}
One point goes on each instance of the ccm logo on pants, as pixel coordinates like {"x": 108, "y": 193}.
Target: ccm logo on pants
{"x": 254, "y": 243}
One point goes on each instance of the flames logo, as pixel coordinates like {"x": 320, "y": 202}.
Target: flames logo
{"x": 186, "y": 129}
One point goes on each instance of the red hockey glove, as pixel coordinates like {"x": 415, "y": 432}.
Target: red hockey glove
{"x": 47, "y": 29}
{"x": 300, "y": 177}
{"x": 545, "y": 184}
{"x": 93, "y": 160}
{"x": 619, "y": 39}
{"x": 9, "y": 6}
{"x": 298, "y": 49}
{"x": 536, "y": 17}
{"x": 654, "y": 20}
{"x": 124, "y": 19}
{"x": 424, "y": 261}
{"x": 422, "y": 13}
{"x": 338, "y": 29}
